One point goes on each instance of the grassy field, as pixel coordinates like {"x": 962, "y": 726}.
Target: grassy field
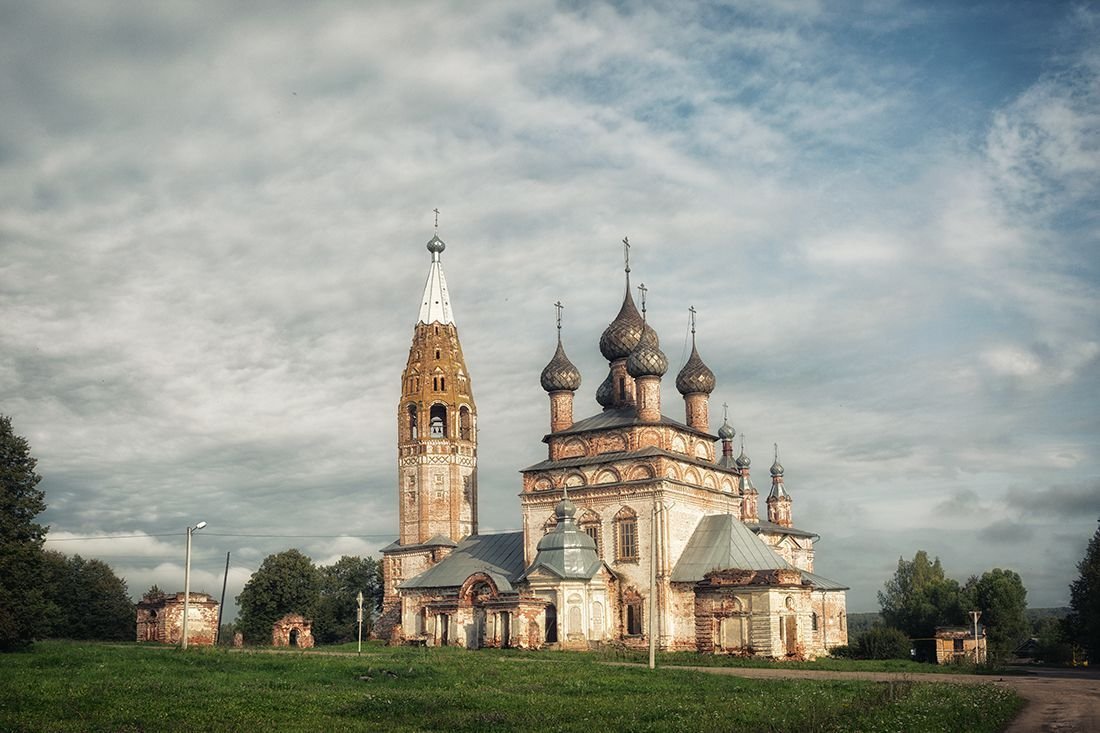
{"x": 88, "y": 687}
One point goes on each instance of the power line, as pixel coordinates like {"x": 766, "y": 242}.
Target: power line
{"x": 383, "y": 535}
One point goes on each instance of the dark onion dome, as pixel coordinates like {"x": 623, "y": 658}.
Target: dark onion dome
{"x": 436, "y": 245}
{"x": 605, "y": 393}
{"x": 726, "y": 432}
{"x": 743, "y": 460}
{"x": 647, "y": 360}
{"x": 695, "y": 377}
{"x": 621, "y": 337}
{"x": 777, "y": 468}
{"x": 560, "y": 375}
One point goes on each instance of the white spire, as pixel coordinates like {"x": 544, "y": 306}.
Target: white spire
{"x": 435, "y": 306}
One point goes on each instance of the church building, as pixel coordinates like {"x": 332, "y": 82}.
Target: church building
{"x": 636, "y": 526}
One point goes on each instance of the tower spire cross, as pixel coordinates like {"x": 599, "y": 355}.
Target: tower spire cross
{"x": 626, "y": 253}
{"x": 642, "y": 290}
{"x": 558, "y": 306}
{"x": 726, "y": 412}
{"x": 436, "y": 210}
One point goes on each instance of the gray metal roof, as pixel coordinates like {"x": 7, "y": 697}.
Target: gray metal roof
{"x": 437, "y": 540}
{"x": 623, "y": 417}
{"x": 766, "y": 526}
{"x": 820, "y": 582}
{"x": 566, "y": 551}
{"x": 500, "y": 556}
{"x": 647, "y": 452}
{"x": 722, "y": 542}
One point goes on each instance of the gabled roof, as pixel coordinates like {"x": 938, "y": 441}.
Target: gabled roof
{"x": 500, "y": 556}
{"x": 722, "y": 542}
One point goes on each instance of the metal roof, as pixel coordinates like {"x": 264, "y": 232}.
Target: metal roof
{"x": 820, "y": 582}
{"x": 435, "y": 306}
{"x": 722, "y": 542}
{"x": 611, "y": 457}
{"x": 766, "y": 526}
{"x": 624, "y": 417}
{"x": 500, "y": 556}
{"x": 437, "y": 540}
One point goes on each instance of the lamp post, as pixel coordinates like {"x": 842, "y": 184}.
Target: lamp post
{"x": 187, "y": 582}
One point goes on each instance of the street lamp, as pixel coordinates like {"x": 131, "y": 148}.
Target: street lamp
{"x": 187, "y": 582}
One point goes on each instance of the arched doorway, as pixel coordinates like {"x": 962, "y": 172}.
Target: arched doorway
{"x": 551, "y": 624}
{"x": 294, "y": 637}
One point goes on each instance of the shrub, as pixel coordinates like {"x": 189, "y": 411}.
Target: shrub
{"x": 882, "y": 642}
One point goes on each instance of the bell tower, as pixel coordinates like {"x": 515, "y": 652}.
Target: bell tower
{"x": 436, "y": 424}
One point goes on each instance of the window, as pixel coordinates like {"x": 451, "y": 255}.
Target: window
{"x": 813, "y": 621}
{"x": 959, "y": 645}
{"x": 626, "y": 534}
{"x": 633, "y": 618}
{"x": 437, "y": 353}
{"x": 395, "y": 565}
{"x": 590, "y": 524}
{"x": 412, "y": 422}
{"x": 438, "y": 422}
{"x": 464, "y": 423}
{"x": 549, "y": 525}
{"x": 442, "y": 384}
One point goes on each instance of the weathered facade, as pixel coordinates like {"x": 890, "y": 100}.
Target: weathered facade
{"x": 160, "y": 619}
{"x": 634, "y": 525}
{"x": 292, "y": 629}
{"x": 958, "y": 644}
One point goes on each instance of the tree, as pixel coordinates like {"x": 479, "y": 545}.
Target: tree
{"x": 1001, "y": 597}
{"x": 1083, "y": 622}
{"x": 85, "y": 600}
{"x": 335, "y": 618}
{"x": 286, "y": 582}
{"x": 919, "y": 597}
{"x": 22, "y": 603}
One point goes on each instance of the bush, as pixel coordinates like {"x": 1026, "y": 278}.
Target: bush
{"x": 882, "y": 642}
{"x": 842, "y": 652}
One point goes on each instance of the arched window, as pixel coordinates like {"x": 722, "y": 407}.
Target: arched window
{"x": 590, "y": 525}
{"x": 464, "y": 426}
{"x": 626, "y": 535}
{"x": 438, "y": 422}
{"x": 813, "y": 621}
{"x": 412, "y": 422}
{"x": 437, "y": 353}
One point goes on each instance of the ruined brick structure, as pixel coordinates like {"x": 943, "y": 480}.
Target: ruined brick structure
{"x": 292, "y": 629}
{"x": 624, "y": 495}
{"x": 160, "y": 619}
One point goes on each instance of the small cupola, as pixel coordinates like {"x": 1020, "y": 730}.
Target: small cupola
{"x": 695, "y": 382}
{"x": 560, "y": 378}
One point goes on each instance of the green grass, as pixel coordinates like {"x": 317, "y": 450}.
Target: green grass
{"x": 88, "y": 687}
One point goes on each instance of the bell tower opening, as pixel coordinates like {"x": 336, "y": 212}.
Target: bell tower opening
{"x": 438, "y": 421}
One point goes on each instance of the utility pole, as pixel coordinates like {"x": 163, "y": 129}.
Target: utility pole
{"x": 221, "y": 606}
{"x": 653, "y": 587}
{"x": 977, "y": 652}
{"x": 187, "y": 582}
{"x": 359, "y": 600}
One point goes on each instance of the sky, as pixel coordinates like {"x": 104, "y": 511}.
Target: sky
{"x": 212, "y": 230}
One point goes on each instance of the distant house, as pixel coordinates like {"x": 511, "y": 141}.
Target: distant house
{"x": 160, "y": 619}
{"x": 956, "y": 644}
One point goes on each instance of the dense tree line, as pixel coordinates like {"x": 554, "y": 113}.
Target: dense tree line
{"x": 920, "y": 597}
{"x": 289, "y": 582}
{"x": 44, "y": 594}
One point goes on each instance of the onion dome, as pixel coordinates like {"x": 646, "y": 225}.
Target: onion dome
{"x": 560, "y": 374}
{"x": 621, "y": 337}
{"x": 726, "y": 432}
{"x": 743, "y": 460}
{"x": 647, "y": 360}
{"x": 695, "y": 376}
{"x": 777, "y": 467}
{"x": 605, "y": 393}
{"x": 566, "y": 551}
{"x": 436, "y": 245}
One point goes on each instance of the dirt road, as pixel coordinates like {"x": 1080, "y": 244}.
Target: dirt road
{"x": 1058, "y": 701}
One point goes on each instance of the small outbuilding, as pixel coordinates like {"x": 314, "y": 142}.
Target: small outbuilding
{"x": 292, "y": 629}
{"x": 958, "y": 644}
{"x": 160, "y": 619}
